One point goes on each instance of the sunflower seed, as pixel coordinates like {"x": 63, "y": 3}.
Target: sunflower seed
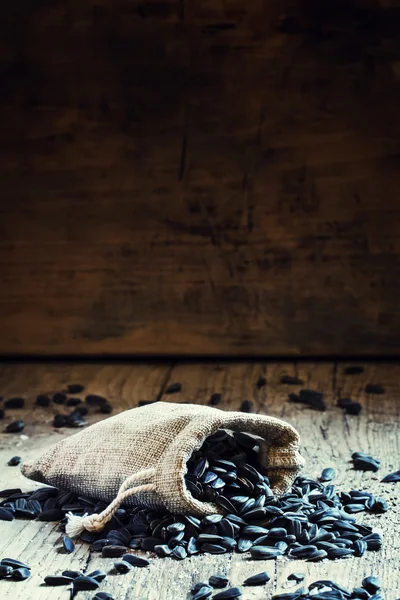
{"x": 344, "y": 402}
{"x": 75, "y": 388}
{"x": 136, "y": 561}
{"x": 233, "y": 592}
{"x": 264, "y": 552}
{"x": 14, "y": 403}
{"x": 14, "y": 563}
{"x": 297, "y": 577}
{"x": 122, "y": 566}
{"x": 354, "y": 408}
{"x": 173, "y": 388}
{"x": 68, "y": 544}
{"x": 328, "y": 474}
{"x": 392, "y": 477}
{"x": 5, "y": 571}
{"x": 98, "y": 575}
{"x": 291, "y": 380}
{"x": 5, "y": 514}
{"x": 179, "y": 552}
{"x": 258, "y": 579}
{"x": 20, "y": 574}
{"x": 360, "y": 593}
{"x": 15, "y": 426}
{"x": 113, "y": 551}
{"x": 288, "y": 596}
{"x": 43, "y": 400}
{"x": 374, "y": 388}
{"x": 84, "y": 582}
{"x": 218, "y": 581}
{"x": 71, "y": 574}
{"x": 261, "y": 382}
{"x": 53, "y": 514}
{"x": 202, "y": 592}
{"x": 103, "y": 596}
{"x": 371, "y": 584}
{"x": 55, "y": 580}
{"x": 246, "y": 406}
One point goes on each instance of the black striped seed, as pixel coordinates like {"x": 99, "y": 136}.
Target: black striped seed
{"x": 56, "y": 580}
{"x": 233, "y": 592}
{"x": 68, "y": 544}
{"x": 218, "y": 581}
{"x": 258, "y": 579}
{"x": 15, "y": 426}
{"x": 85, "y": 583}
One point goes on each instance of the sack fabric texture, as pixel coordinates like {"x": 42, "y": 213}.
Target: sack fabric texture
{"x": 149, "y": 446}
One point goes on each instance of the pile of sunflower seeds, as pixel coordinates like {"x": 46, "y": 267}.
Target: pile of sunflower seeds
{"x": 323, "y": 589}
{"x": 311, "y": 521}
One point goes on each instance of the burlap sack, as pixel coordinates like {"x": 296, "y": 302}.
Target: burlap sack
{"x": 140, "y": 455}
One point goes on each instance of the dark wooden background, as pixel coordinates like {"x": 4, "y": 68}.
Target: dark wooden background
{"x": 200, "y": 176}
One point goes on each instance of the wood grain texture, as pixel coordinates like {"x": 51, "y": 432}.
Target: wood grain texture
{"x": 200, "y": 178}
{"x": 328, "y": 439}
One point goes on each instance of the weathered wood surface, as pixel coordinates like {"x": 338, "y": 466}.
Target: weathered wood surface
{"x": 200, "y": 177}
{"x": 328, "y": 439}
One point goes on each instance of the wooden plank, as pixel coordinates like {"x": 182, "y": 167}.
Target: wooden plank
{"x": 200, "y": 178}
{"x": 328, "y": 438}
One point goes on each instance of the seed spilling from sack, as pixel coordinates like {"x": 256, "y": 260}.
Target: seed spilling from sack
{"x": 311, "y": 521}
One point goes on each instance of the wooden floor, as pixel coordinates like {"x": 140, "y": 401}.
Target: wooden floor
{"x": 328, "y": 439}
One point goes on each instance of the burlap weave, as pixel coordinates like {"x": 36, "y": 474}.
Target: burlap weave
{"x": 162, "y": 436}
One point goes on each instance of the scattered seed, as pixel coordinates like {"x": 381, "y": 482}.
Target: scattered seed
{"x": 344, "y": 402}
{"x": 233, "y": 592}
{"x": 72, "y": 574}
{"x": 264, "y": 552}
{"x": 2, "y": 413}
{"x": 113, "y": 551}
{"x": 298, "y": 577}
{"x": 313, "y": 398}
{"x": 84, "y": 582}
{"x": 59, "y": 420}
{"x": 203, "y": 592}
{"x": 135, "y": 561}
{"x": 15, "y": 426}
{"x": 14, "y": 563}
{"x": 55, "y": 580}
{"x": 261, "y": 382}
{"x": 173, "y": 388}
{"x": 73, "y": 401}
{"x": 291, "y": 380}
{"x": 215, "y": 399}
{"x": 15, "y": 403}
{"x": 122, "y": 566}
{"x": 364, "y": 462}
{"x": 5, "y": 571}
{"x": 59, "y": 398}
{"x": 289, "y": 596}
{"x": 218, "y": 581}
{"x": 106, "y": 408}
{"x": 75, "y": 388}
{"x": 20, "y": 574}
{"x": 98, "y": 575}
{"x": 353, "y": 409}
{"x": 328, "y": 474}
{"x": 103, "y": 596}
{"x": 14, "y": 461}
{"x": 95, "y": 400}
{"x": 374, "y": 388}
{"x": 246, "y": 406}
{"x": 68, "y": 544}
{"x": 353, "y": 370}
{"x": 259, "y": 579}
{"x": 371, "y": 584}
{"x": 53, "y": 514}
{"x": 392, "y": 477}
{"x": 43, "y": 400}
